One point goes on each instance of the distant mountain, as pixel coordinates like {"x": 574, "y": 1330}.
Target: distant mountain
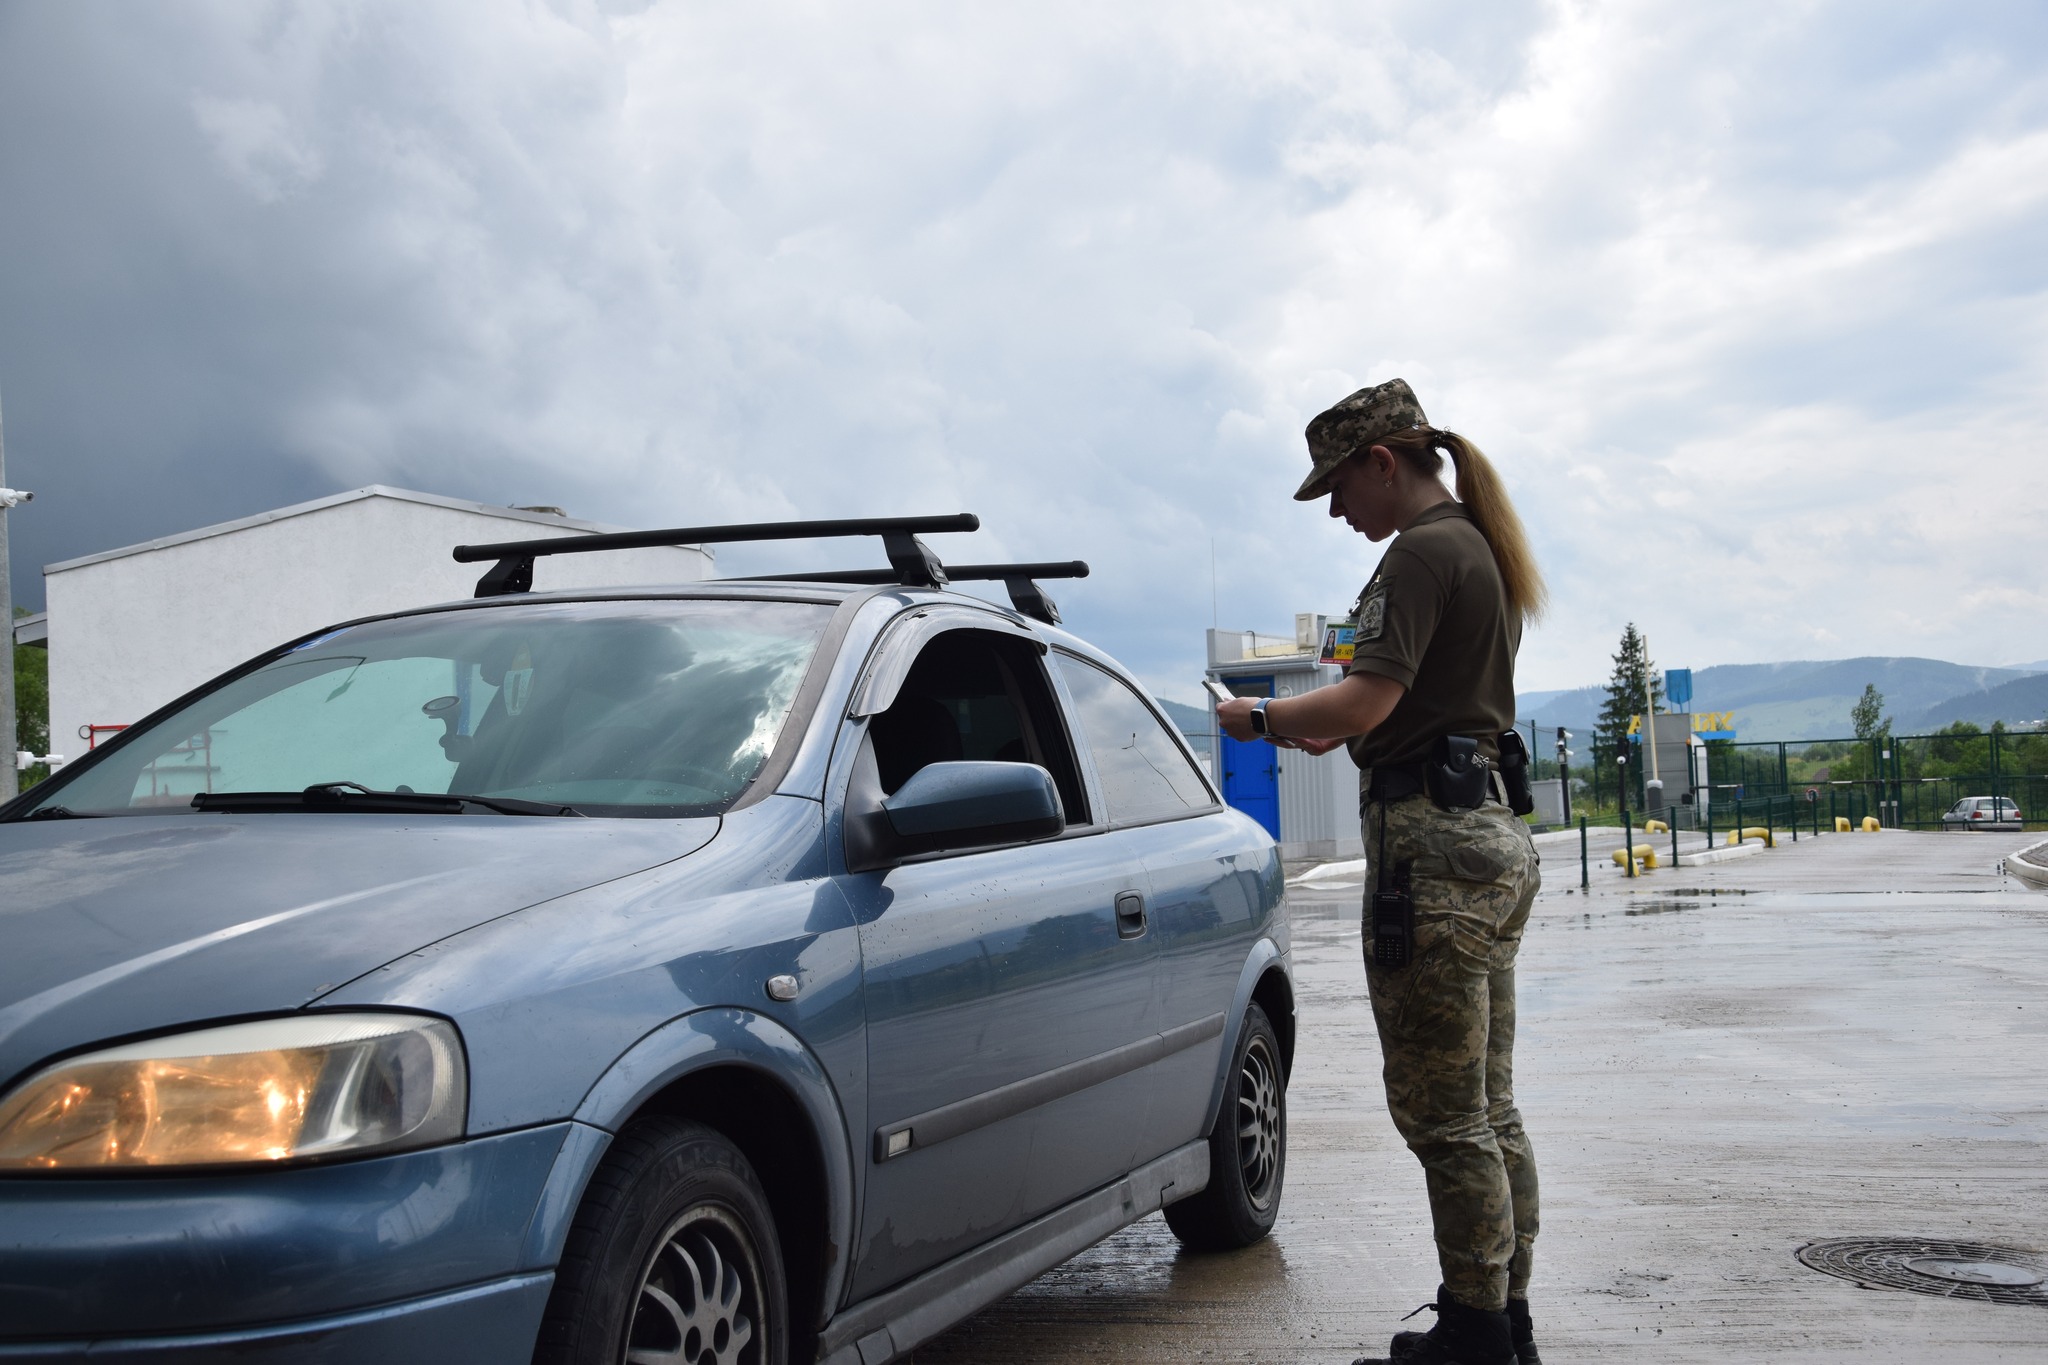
{"x": 1811, "y": 699}
{"x": 1192, "y": 720}
{"x": 2022, "y": 699}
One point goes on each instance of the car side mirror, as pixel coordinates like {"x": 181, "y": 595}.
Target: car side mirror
{"x": 980, "y": 802}
{"x": 957, "y": 805}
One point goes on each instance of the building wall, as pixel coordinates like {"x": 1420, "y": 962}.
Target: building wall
{"x": 130, "y": 631}
{"x": 1318, "y": 796}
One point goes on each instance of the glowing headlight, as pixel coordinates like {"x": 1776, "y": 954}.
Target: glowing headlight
{"x": 270, "y": 1090}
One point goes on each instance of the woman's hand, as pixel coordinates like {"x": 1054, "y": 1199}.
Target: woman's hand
{"x": 1235, "y": 717}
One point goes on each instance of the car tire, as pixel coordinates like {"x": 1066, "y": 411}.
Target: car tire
{"x": 673, "y": 1256}
{"x": 1247, "y": 1149}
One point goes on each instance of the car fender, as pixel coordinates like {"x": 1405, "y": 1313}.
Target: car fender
{"x": 1265, "y": 955}
{"x": 695, "y": 1042}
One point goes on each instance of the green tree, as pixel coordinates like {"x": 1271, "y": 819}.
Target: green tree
{"x": 1867, "y": 715}
{"x": 1631, "y": 690}
{"x": 31, "y": 705}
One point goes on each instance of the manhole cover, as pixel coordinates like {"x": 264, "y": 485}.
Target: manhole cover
{"x": 1953, "y": 1270}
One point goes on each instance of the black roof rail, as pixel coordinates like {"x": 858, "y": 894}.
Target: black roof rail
{"x": 909, "y": 558}
{"x": 1025, "y": 594}
{"x": 911, "y": 561}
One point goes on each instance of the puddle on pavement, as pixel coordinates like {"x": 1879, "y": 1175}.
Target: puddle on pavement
{"x": 1658, "y": 907}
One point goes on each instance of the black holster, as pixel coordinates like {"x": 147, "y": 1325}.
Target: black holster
{"x": 1514, "y": 772}
{"x": 1457, "y": 775}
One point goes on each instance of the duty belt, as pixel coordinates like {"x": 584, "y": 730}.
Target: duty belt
{"x": 1395, "y": 782}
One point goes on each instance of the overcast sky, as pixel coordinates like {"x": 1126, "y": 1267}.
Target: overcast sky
{"x": 1745, "y": 299}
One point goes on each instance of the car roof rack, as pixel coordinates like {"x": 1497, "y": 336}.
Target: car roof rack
{"x": 1019, "y": 579}
{"x": 911, "y": 562}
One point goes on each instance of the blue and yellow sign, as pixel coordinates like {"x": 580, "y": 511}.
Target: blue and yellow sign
{"x": 1705, "y": 724}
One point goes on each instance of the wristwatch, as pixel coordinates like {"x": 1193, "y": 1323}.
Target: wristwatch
{"x": 1258, "y": 717}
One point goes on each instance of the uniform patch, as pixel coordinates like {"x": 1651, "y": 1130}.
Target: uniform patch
{"x": 1372, "y": 613}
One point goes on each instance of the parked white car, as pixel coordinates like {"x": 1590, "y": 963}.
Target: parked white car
{"x": 1983, "y": 812}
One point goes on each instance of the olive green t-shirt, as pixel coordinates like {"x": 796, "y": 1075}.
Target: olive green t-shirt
{"x": 1435, "y": 619}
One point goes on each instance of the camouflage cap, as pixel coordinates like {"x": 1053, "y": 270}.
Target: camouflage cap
{"x": 1353, "y": 425}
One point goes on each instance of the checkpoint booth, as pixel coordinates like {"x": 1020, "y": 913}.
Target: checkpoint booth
{"x": 1309, "y": 805}
{"x": 1675, "y": 765}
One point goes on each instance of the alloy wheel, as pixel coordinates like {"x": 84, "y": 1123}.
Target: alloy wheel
{"x": 1258, "y": 1127}
{"x": 699, "y": 1301}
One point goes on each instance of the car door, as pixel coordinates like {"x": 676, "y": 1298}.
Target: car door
{"x": 1205, "y": 873}
{"x": 1004, "y": 995}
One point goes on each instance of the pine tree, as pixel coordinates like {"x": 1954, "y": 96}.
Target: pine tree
{"x": 1630, "y": 690}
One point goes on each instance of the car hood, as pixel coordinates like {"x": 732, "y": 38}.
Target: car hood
{"x": 125, "y": 925}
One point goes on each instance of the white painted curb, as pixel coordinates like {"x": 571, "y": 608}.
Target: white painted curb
{"x": 1720, "y": 855}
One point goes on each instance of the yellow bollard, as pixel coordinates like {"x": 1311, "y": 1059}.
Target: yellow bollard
{"x": 1870, "y": 824}
{"x": 1842, "y": 825}
{"x": 1655, "y": 827}
{"x": 1736, "y": 836}
{"x": 1645, "y": 855}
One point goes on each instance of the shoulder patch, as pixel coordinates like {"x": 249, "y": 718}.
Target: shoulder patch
{"x": 1372, "y": 612}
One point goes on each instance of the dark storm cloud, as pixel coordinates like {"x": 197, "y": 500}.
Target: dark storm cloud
{"x": 1704, "y": 280}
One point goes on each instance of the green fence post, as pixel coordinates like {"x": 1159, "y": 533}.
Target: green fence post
{"x": 1585, "y": 868}
{"x": 1628, "y": 843}
{"x": 1674, "y": 843}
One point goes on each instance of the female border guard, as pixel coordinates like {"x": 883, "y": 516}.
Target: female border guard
{"x": 1427, "y": 706}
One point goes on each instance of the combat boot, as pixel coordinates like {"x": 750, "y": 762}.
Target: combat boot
{"x": 1519, "y": 1328}
{"x": 1524, "y": 1334}
{"x": 1462, "y": 1336}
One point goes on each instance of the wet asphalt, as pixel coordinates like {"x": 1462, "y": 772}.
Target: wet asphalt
{"x": 1843, "y": 1037}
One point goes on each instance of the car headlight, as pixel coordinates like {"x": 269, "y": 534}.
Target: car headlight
{"x": 311, "y": 1085}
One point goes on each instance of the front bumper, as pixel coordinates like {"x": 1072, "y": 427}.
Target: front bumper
{"x": 486, "y": 1324}
{"x": 348, "y": 1262}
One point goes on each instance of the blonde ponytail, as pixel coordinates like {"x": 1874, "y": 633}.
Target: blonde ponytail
{"x": 1486, "y": 502}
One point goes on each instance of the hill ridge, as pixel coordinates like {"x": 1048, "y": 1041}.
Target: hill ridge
{"x": 1809, "y": 699}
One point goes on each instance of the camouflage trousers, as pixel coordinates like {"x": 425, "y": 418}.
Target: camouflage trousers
{"x": 1447, "y": 1035}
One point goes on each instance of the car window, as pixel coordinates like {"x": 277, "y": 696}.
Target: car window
{"x": 1144, "y": 773}
{"x": 641, "y": 708}
{"x": 976, "y": 695}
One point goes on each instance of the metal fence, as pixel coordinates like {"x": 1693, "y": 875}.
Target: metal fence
{"x": 1905, "y": 781}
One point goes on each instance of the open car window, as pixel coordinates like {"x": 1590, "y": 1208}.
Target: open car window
{"x": 979, "y": 695}
{"x": 661, "y": 708}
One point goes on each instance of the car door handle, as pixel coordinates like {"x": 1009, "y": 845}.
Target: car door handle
{"x": 1130, "y": 914}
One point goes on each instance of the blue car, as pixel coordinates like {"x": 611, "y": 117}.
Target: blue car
{"x": 746, "y": 971}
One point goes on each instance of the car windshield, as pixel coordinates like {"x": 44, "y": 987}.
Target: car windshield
{"x": 658, "y": 708}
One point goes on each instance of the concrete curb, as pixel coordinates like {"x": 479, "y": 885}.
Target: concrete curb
{"x": 1330, "y": 872}
{"x": 1720, "y": 855}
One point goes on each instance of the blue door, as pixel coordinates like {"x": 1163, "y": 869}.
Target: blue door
{"x": 1251, "y": 772}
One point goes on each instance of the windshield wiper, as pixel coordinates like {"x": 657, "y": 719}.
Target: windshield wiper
{"x": 57, "y": 813}
{"x": 354, "y": 796}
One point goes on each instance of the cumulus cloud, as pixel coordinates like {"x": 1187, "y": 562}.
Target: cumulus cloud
{"x": 1744, "y": 300}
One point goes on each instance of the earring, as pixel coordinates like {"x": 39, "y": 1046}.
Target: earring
{"x": 1390, "y": 483}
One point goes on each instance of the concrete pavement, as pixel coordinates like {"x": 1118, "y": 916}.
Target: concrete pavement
{"x": 1718, "y": 1065}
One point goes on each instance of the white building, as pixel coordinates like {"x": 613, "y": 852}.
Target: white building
{"x": 1308, "y": 804}
{"x": 131, "y": 629}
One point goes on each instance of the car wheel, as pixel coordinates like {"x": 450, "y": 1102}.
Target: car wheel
{"x": 673, "y": 1259}
{"x": 1247, "y": 1149}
